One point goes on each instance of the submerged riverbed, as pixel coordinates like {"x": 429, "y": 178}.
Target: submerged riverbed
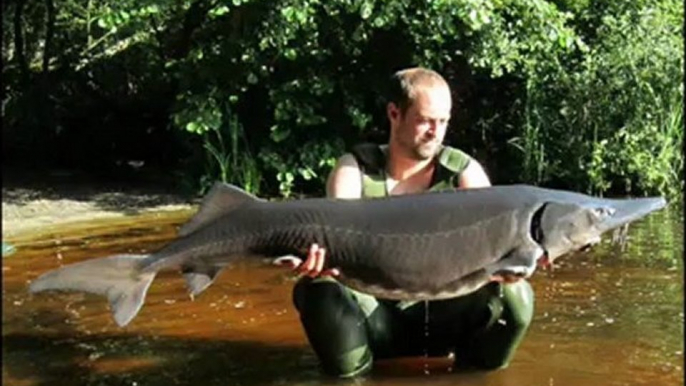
{"x": 612, "y": 316}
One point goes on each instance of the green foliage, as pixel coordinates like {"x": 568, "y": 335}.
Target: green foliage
{"x": 267, "y": 95}
{"x": 613, "y": 114}
{"x": 319, "y": 68}
{"x": 211, "y": 118}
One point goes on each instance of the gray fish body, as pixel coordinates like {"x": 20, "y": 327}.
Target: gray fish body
{"x": 417, "y": 247}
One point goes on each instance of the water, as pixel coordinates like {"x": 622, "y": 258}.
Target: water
{"x": 602, "y": 318}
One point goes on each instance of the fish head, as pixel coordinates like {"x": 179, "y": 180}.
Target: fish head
{"x": 565, "y": 227}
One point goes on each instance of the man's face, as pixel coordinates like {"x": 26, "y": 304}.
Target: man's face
{"x": 420, "y": 131}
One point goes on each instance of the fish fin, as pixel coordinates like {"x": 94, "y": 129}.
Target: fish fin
{"x": 469, "y": 283}
{"x": 520, "y": 261}
{"x": 199, "y": 280}
{"x": 221, "y": 199}
{"x": 116, "y": 277}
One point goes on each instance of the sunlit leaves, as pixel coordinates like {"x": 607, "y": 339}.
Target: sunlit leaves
{"x": 306, "y": 165}
{"x": 617, "y": 110}
{"x": 199, "y": 114}
{"x": 359, "y": 118}
{"x": 219, "y": 11}
{"x": 366, "y": 9}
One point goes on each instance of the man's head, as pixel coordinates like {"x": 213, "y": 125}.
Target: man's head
{"x": 418, "y": 110}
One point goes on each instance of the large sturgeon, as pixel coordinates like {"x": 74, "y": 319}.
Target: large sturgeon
{"x": 415, "y": 247}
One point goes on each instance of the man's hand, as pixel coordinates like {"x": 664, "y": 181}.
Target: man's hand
{"x": 344, "y": 182}
{"x": 507, "y": 278}
{"x": 313, "y": 266}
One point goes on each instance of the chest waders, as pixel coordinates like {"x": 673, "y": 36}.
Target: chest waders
{"x": 348, "y": 329}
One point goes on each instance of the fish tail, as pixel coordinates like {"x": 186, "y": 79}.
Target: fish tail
{"x": 119, "y": 278}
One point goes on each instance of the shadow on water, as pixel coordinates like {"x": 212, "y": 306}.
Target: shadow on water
{"x": 114, "y": 359}
{"x": 117, "y": 359}
{"x": 611, "y": 317}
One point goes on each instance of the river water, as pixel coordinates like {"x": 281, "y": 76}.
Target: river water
{"x": 611, "y": 316}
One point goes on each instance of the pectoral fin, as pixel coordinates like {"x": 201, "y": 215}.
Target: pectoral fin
{"x": 520, "y": 262}
{"x": 199, "y": 278}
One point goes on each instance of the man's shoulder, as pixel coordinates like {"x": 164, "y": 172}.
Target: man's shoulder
{"x": 347, "y": 160}
{"x": 344, "y": 181}
{"x": 369, "y": 156}
{"x": 453, "y": 159}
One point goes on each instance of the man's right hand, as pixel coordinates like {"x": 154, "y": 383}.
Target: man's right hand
{"x": 344, "y": 181}
{"x": 313, "y": 266}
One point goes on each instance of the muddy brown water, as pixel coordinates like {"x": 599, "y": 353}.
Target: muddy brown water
{"x": 613, "y": 316}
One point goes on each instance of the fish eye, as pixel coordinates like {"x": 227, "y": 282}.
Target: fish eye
{"x": 603, "y": 212}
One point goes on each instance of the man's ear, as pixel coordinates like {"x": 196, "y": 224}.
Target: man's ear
{"x": 392, "y": 111}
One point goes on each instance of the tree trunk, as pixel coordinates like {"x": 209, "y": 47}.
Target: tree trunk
{"x": 49, "y": 33}
{"x": 19, "y": 43}
{"x": 181, "y": 40}
{"x": 45, "y": 106}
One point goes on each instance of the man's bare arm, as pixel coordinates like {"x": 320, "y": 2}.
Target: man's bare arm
{"x": 345, "y": 180}
{"x": 474, "y": 176}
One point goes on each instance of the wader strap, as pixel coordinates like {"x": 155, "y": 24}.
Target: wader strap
{"x": 451, "y": 163}
{"x": 372, "y": 161}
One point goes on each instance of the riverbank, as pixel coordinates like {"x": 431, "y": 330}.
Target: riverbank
{"x": 33, "y": 201}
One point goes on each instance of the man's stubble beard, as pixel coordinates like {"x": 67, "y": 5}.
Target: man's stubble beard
{"x": 427, "y": 150}
{"x": 421, "y": 151}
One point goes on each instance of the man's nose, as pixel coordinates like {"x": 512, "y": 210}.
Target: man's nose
{"x": 433, "y": 128}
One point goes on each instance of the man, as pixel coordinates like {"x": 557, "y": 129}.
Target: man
{"x": 348, "y": 329}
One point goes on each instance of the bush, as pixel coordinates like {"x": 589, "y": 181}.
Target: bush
{"x": 583, "y": 95}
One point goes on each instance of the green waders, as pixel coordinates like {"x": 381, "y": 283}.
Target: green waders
{"x": 348, "y": 329}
